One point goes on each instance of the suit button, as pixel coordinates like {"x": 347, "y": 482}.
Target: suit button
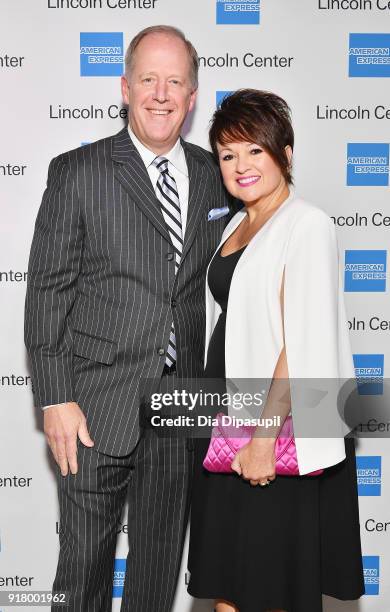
{"x": 161, "y": 351}
{"x": 169, "y": 256}
{"x": 173, "y": 303}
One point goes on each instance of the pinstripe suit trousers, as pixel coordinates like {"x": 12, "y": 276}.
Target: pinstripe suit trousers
{"x": 156, "y": 480}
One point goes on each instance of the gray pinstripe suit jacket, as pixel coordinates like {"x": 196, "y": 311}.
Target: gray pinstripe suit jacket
{"x": 102, "y": 289}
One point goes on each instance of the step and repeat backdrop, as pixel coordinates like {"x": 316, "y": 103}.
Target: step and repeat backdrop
{"x": 60, "y": 63}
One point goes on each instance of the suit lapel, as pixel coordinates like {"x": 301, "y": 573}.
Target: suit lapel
{"x": 132, "y": 174}
{"x": 198, "y": 186}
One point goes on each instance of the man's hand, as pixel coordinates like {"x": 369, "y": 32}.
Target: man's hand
{"x": 62, "y": 424}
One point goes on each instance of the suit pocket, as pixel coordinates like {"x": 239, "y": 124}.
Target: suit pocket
{"x": 101, "y": 350}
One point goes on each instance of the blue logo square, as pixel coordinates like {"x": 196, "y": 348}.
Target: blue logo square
{"x": 369, "y": 55}
{"x": 365, "y": 271}
{"x": 369, "y": 475}
{"x": 101, "y": 53}
{"x": 371, "y": 575}
{"x": 242, "y": 12}
{"x": 119, "y": 577}
{"x": 368, "y": 164}
{"x": 369, "y": 373}
{"x": 220, "y": 95}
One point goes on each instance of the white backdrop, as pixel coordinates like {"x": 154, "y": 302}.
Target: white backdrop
{"x": 302, "y": 48}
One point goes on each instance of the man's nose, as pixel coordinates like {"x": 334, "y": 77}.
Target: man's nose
{"x": 161, "y": 91}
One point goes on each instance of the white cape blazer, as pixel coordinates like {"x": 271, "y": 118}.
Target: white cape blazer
{"x": 299, "y": 239}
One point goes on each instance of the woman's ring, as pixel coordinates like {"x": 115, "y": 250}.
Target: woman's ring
{"x": 264, "y": 484}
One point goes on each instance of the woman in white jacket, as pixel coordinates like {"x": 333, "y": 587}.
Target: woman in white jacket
{"x": 275, "y": 311}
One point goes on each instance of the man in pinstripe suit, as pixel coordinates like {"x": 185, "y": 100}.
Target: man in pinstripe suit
{"x": 112, "y": 300}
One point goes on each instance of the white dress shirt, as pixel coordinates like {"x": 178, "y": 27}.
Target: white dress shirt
{"x": 177, "y": 168}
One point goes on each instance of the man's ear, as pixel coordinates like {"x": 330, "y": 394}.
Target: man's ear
{"x": 125, "y": 89}
{"x": 193, "y": 97}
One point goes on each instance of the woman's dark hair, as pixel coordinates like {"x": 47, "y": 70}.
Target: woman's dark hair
{"x": 255, "y": 116}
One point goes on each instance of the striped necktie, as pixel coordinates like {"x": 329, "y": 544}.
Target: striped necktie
{"x": 167, "y": 194}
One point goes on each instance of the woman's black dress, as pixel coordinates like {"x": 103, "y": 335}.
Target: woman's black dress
{"x": 279, "y": 546}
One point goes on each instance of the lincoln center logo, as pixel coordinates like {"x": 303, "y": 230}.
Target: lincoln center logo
{"x": 365, "y": 271}
{"x": 368, "y": 164}
{"x": 119, "y": 577}
{"x": 101, "y": 53}
{"x": 371, "y": 575}
{"x": 369, "y": 373}
{"x": 369, "y": 55}
{"x": 238, "y": 11}
{"x": 369, "y": 475}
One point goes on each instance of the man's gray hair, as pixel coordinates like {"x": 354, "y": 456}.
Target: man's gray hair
{"x": 164, "y": 29}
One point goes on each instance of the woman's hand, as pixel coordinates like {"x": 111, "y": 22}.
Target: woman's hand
{"x": 256, "y": 461}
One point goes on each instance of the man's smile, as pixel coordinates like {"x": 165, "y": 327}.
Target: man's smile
{"x": 156, "y": 111}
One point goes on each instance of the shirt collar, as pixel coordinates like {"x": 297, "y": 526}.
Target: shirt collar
{"x": 175, "y": 156}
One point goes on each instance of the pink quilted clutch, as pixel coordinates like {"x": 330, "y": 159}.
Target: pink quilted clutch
{"x": 226, "y": 441}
